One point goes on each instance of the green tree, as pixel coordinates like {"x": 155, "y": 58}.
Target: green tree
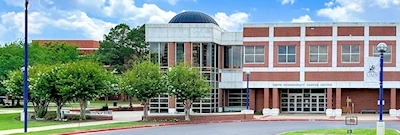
{"x": 144, "y": 82}
{"x": 187, "y": 84}
{"x": 84, "y": 80}
{"x": 122, "y": 46}
{"x": 14, "y": 85}
{"x": 39, "y": 87}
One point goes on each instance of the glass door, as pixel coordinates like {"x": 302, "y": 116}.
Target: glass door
{"x": 318, "y": 103}
{"x": 296, "y": 103}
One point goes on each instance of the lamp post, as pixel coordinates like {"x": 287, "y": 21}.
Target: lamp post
{"x": 382, "y": 48}
{"x": 247, "y": 90}
{"x": 26, "y": 69}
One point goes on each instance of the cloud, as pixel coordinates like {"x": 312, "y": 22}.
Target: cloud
{"x": 287, "y": 2}
{"x": 2, "y": 30}
{"x": 386, "y": 3}
{"x": 15, "y": 22}
{"x": 172, "y": 2}
{"x": 329, "y": 4}
{"x": 16, "y": 3}
{"x": 305, "y": 18}
{"x": 231, "y": 22}
{"x": 306, "y": 9}
{"x": 345, "y": 10}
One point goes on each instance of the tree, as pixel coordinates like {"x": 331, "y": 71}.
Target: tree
{"x": 187, "y": 84}
{"x": 39, "y": 88}
{"x": 121, "y": 46}
{"x": 144, "y": 82}
{"x": 84, "y": 80}
{"x": 14, "y": 85}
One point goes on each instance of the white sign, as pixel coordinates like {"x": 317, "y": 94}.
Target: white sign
{"x": 302, "y": 84}
{"x": 371, "y": 69}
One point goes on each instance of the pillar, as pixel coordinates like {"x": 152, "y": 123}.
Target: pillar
{"x": 171, "y": 105}
{"x": 275, "y": 102}
{"x": 266, "y": 111}
{"x": 171, "y": 54}
{"x": 252, "y": 99}
{"x": 393, "y": 109}
{"x": 188, "y": 53}
{"x": 338, "y": 110}
{"x": 220, "y": 99}
{"x": 329, "y": 111}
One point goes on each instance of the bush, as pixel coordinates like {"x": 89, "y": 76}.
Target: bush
{"x": 258, "y": 113}
{"x": 50, "y": 115}
{"x": 75, "y": 117}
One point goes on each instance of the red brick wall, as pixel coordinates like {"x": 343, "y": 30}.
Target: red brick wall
{"x": 259, "y": 100}
{"x": 79, "y": 43}
{"x": 171, "y": 54}
{"x": 365, "y": 99}
{"x": 398, "y": 98}
{"x": 286, "y": 31}
{"x": 318, "y": 31}
{"x": 273, "y": 76}
{"x": 256, "y": 32}
{"x": 382, "y": 31}
{"x": 350, "y": 30}
{"x": 334, "y": 76}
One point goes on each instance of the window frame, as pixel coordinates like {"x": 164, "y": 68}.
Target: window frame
{"x": 318, "y": 54}
{"x": 253, "y": 55}
{"x": 384, "y": 54}
{"x": 176, "y": 54}
{"x": 350, "y": 53}
{"x": 287, "y": 54}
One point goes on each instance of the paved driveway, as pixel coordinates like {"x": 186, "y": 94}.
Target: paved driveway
{"x": 243, "y": 128}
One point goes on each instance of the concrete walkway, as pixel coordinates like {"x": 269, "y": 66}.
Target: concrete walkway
{"x": 322, "y": 117}
{"x": 117, "y": 117}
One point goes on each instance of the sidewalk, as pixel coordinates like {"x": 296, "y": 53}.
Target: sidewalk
{"x": 118, "y": 117}
{"x": 323, "y": 117}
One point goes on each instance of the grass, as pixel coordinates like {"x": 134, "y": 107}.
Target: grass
{"x": 340, "y": 132}
{"x": 85, "y": 128}
{"x": 8, "y": 121}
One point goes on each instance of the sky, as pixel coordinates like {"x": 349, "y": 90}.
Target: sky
{"x": 91, "y": 19}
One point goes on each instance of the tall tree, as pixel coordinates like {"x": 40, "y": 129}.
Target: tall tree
{"x": 187, "y": 84}
{"x": 144, "y": 82}
{"x": 122, "y": 46}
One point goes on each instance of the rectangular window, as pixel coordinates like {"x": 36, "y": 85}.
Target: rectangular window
{"x": 180, "y": 53}
{"x": 196, "y": 54}
{"x": 387, "y": 56}
{"x": 350, "y": 53}
{"x": 159, "y": 53}
{"x": 233, "y": 57}
{"x": 318, "y": 53}
{"x": 254, "y": 54}
{"x": 207, "y": 54}
{"x": 287, "y": 54}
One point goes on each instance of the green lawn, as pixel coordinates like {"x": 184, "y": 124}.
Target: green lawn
{"x": 8, "y": 121}
{"x": 85, "y": 128}
{"x": 340, "y": 132}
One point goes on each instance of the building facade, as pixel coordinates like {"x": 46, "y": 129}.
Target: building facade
{"x": 84, "y": 46}
{"x": 294, "y": 67}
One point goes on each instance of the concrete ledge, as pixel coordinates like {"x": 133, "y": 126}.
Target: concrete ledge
{"x": 266, "y": 112}
{"x": 329, "y": 112}
{"x": 204, "y": 116}
{"x": 115, "y": 109}
{"x": 393, "y": 112}
{"x": 275, "y": 111}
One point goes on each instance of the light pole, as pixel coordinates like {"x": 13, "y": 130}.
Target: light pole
{"x": 247, "y": 90}
{"x": 26, "y": 69}
{"x": 382, "y": 48}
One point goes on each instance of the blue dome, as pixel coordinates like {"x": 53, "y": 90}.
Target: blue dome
{"x": 192, "y": 17}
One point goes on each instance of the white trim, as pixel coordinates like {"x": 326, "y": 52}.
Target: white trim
{"x": 381, "y": 37}
{"x": 319, "y": 38}
{"x": 302, "y": 52}
{"x": 320, "y": 24}
{"x": 350, "y": 38}
{"x": 287, "y": 38}
{"x": 397, "y": 45}
{"x": 366, "y": 41}
{"x": 307, "y": 84}
{"x": 271, "y": 48}
{"x": 255, "y": 39}
{"x": 88, "y": 48}
{"x": 334, "y": 46}
{"x": 311, "y": 69}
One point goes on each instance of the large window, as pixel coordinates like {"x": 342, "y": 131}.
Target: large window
{"x": 318, "y": 53}
{"x": 387, "y": 56}
{"x": 254, "y": 54}
{"x": 159, "y": 53}
{"x": 180, "y": 53}
{"x": 233, "y": 57}
{"x": 350, "y": 53}
{"x": 207, "y": 54}
{"x": 196, "y": 54}
{"x": 237, "y": 98}
{"x": 287, "y": 54}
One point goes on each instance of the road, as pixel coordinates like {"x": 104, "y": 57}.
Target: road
{"x": 243, "y": 128}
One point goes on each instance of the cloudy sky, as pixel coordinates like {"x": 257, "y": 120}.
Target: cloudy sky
{"x": 90, "y": 19}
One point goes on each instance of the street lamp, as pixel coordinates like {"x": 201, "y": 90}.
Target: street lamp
{"x": 26, "y": 69}
{"x": 382, "y": 48}
{"x": 247, "y": 90}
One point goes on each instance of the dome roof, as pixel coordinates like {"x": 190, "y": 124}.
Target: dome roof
{"x": 192, "y": 17}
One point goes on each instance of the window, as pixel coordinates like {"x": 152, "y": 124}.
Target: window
{"x": 387, "y": 56}
{"x": 350, "y": 53}
{"x": 287, "y": 54}
{"x": 196, "y": 54}
{"x": 233, "y": 57}
{"x": 318, "y": 53}
{"x": 159, "y": 53}
{"x": 254, "y": 54}
{"x": 179, "y": 53}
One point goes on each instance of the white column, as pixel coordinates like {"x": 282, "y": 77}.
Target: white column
{"x": 334, "y": 45}
{"x": 271, "y": 47}
{"x": 302, "y": 51}
{"x": 366, "y": 40}
{"x": 398, "y": 46}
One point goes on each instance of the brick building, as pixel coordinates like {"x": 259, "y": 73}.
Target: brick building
{"x": 295, "y": 67}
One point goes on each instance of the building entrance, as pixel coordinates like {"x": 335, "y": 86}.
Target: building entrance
{"x": 303, "y": 100}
